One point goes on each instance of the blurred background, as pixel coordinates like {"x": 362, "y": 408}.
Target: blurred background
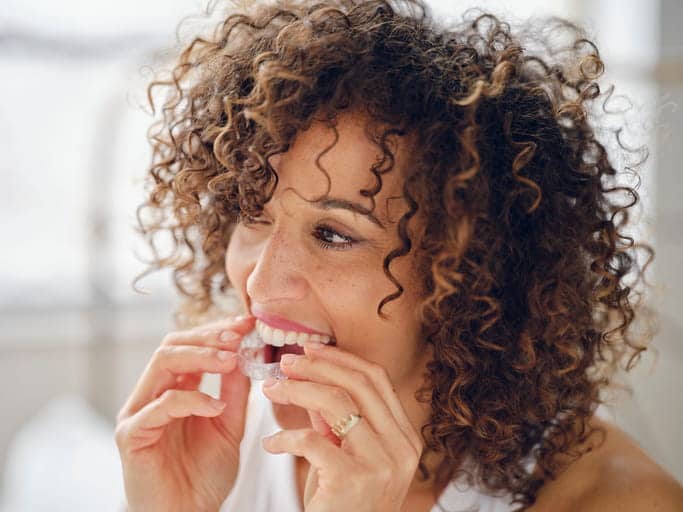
{"x": 74, "y": 336}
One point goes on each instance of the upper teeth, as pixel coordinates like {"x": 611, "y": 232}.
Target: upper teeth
{"x": 278, "y": 337}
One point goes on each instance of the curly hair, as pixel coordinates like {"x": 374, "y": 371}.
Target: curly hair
{"x": 529, "y": 278}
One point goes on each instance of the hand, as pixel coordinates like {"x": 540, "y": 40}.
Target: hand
{"x": 179, "y": 447}
{"x": 374, "y": 464}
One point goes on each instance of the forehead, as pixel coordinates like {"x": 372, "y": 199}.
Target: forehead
{"x": 347, "y": 162}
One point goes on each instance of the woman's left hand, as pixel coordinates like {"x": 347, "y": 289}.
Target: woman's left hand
{"x": 372, "y": 467}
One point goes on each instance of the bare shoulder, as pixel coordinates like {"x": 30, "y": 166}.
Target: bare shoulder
{"x": 615, "y": 475}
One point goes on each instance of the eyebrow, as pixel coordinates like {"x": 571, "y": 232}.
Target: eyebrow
{"x": 337, "y": 203}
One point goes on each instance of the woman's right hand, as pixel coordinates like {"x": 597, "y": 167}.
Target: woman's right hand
{"x": 179, "y": 450}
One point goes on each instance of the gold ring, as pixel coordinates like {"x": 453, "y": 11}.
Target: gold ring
{"x": 342, "y": 427}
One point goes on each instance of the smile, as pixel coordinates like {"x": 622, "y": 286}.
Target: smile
{"x": 279, "y": 341}
{"x": 280, "y": 337}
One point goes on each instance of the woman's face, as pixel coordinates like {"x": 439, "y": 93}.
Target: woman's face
{"x": 323, "y": 267}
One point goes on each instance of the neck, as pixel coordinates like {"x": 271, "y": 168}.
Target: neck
{"x": 418, "y": 414}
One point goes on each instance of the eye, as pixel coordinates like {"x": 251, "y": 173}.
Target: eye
{"x": 326, "y": 237}
{"x": 324, "y": 234}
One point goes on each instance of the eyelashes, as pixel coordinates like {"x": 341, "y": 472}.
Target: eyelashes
{"x": 322, "y": 230}
{"x": 323, "y": 234}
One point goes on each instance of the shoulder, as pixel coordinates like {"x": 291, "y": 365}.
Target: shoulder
{"x": 615, "y": 475}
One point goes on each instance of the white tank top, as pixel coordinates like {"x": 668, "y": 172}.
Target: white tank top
{"x": 266, "y": 482}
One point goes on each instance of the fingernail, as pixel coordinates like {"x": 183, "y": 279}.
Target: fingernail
{"x": 270, "y": 381}
{"x": 287, "y": 359}
{"x": 217, "y": 404}
{"x": 224, "y": 355}
{"x": 315, "y": 345}
{"x": 228, "y": 336}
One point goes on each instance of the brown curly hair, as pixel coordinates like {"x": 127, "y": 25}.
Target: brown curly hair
{"x": 529, "y": 278}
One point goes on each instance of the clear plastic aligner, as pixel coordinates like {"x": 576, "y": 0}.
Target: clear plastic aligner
{"x": 250, "y": 359}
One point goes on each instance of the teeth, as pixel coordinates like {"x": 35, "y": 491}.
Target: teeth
{"x": 267, "y": 334}
{"x": 278, "y": 337}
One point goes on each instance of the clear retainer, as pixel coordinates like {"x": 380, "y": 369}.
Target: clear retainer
{"x": 250, "y": 358}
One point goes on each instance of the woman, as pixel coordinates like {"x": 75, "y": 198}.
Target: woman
{"x": 434, "y": 204}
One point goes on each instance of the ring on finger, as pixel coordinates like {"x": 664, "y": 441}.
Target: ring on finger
{"x": 343, "y": 426}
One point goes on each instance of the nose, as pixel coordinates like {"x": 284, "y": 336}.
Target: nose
{"x": 277, "y": 274}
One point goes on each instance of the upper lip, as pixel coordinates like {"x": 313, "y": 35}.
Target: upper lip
{"x": 278, "y": 322}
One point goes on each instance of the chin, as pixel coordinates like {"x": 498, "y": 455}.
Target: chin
{"x": 290, "y": 417}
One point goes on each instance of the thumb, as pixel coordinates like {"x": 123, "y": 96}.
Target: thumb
{"x": 235, "y": 393}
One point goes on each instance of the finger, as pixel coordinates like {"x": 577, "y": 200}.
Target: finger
{"x": 321, "y": 427}
{"x": 146, "y": 426}
{"x": 188, "y": 381}
{"x": 209, "y": 335}
{"x": 333, "y": 404}
{"x": 168, "y": 362}
{"x": 227, "y": 333}
{"x": 224, "y": 333}
{"x": 311, "y": 445}
{"x": 234, "y": 391}
{"x": 363, "y": 392}
{"x": 377, "y": 375}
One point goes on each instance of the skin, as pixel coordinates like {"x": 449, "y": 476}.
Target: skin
{"x": 179, "y": 448}
{"x": 280, "y": 267}
{"x": 616, "y": 474}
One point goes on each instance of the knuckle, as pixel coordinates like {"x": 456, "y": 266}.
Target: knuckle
{"x": 379, "y": 374}
{"x": 171, "y": 337}
{"x": 362, "y": 378}
{"x": 409, "y": 463}
{"x": 340, "y": 395}
{"x": 308, "y": 436}
{"x": 120, "y": 434}
{"x": 162, "y": 352}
